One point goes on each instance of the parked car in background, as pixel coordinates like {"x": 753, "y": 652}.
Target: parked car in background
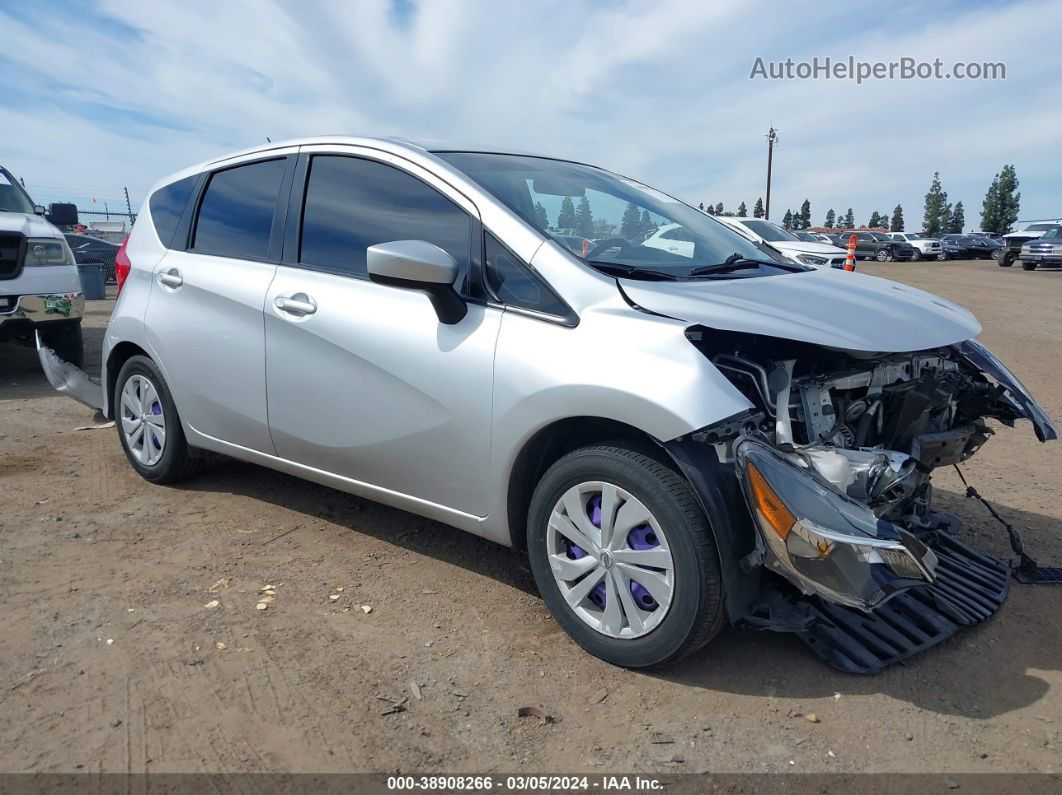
{"x": 949, "y": 249}
{"x": 818, "y": 255}
{"x": 813, "y": 237}
{"x": 1045, "y": 250}
{"x": 88, "y": 249}
{"x": 676, "y": 441}
{"x": 973, "y": 247}
{"x": 924, "y": 247}
{"x": 40, "y": 290}
{"x": 1014, "y": 241}
{"x": 877, "y": 246}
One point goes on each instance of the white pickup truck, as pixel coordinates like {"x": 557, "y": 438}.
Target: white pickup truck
{"x": 40, "y": 291}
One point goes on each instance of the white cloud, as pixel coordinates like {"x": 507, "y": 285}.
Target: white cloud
{"x": 657, "y": 90}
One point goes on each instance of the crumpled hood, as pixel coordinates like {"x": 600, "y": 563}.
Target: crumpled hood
{"x": 29, "y": 225}
{"x": 833, "y": 308}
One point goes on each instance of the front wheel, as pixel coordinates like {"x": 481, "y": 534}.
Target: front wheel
{"x": 1028, "y": 266}
{"x": 883, "y": 255}
{"x": 624, "y": 557}
{"x": 67, "y": 342}
{"x": 916, "y": 255}
{"x": 148, "y": 425}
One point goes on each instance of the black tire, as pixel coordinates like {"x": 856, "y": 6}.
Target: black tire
{"x": 1028, "y": 266}
{"x": 883, "y": 255}
{"x": 177, "y": 461}
{"x": 916, "y": 255}
{"x": 1006, "y": 259}
{"x": 696, "y": 613}
{"x": 67, "y": 342}
{"x": 942, "y": 257}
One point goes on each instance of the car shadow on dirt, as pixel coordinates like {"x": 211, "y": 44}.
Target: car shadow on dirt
{"x": 403, "y": 529}
{"x": 978, "y": 673}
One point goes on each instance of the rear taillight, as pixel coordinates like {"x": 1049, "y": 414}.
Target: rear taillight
{"x": 122, "y": 265}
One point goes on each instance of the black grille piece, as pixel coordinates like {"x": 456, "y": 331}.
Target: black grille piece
{"x": 970, "y": 588}
{"x": 12, "y": 254}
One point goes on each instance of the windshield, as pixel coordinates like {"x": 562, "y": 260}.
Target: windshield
{"x": 13, "y": 198}
{"x": 627, "y": 225}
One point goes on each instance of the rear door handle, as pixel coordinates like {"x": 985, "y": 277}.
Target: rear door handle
{"x": 298, "y": 304}
{"x": 171, "y": 278}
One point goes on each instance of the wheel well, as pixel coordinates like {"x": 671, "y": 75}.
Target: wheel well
{"x": 551, "y": 443}
{"x": 119, "y": 355}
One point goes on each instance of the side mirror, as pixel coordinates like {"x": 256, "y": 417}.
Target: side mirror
{"x": 419, "y": 265}
{"x": 38, "y": 209}
{"x": 62, "y": 214}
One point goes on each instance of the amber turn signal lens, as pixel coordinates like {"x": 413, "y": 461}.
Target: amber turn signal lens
{"x": 771, "y": 508}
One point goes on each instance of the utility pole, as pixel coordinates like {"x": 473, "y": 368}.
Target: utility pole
{"x": 772, "y": 137}
{"x": 128, "y": 206}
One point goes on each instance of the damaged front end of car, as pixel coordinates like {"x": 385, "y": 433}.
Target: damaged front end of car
{"x": 835, "y": 464}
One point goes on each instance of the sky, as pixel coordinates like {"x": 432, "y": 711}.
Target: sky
{"x": 98, "y": 95}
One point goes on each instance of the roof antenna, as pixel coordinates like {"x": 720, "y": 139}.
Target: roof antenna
{"x": 267, "y": 140}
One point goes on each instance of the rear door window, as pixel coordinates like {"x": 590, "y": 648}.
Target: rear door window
{"x": 236, "y": 214}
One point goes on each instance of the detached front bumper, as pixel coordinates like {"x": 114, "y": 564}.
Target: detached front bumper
{"x": 23, "y": 313}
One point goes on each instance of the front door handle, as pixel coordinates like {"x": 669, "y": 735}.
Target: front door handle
{"x": 298, "y": 304}
{"x": 171, "y": 278}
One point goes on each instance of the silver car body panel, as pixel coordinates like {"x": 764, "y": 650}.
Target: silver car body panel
{"x": 370, "y": 394}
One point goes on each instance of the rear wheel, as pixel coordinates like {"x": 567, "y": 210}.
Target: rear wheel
{"x": 67, "y": 342}
{"x": 148, "y": 425}
{"x": 883, "y": 255}
{"x": 624, "y": 557}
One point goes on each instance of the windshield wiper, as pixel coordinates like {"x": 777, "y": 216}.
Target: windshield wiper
{"x": 735, "y": 262}
{"x": 632, "y": 271}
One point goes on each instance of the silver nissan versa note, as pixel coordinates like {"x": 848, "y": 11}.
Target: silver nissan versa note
{"x": 679, "y": 439}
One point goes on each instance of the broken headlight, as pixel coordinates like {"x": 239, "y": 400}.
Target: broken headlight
{"x": 823, "y": 541}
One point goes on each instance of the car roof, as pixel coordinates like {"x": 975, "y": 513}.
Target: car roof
{"x": 390, "y": 145}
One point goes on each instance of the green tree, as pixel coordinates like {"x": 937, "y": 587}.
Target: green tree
{"x": 805, "y": 215}
{"x": 710, "y": 209}
{"x": 566, "y": 217}
{"x": 742, "y": 210}
{"x": 849, "y": 219}
{"x": 936, "y": 203}
{"x": 719, "y": 208}
{"x": 787, "y": 219}
{"x": 999, "y": 210}
{"x": 958, "y": 219}
{"x": 584, "y": 219}
{"x": 646, "y": 222}
{"x": 701, "y": 207}
{"x": 1009, "y": 198}
{"x": 631, "y": 224}
{"x": 831, "y": 219}
{"x": 757, "y": 209}
{"x": 897, "y": 220}
{"x": 540, "y": 216}
{"x": 875, "y": 219}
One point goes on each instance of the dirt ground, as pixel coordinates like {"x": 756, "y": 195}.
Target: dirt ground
{"x": 113, "y": 659}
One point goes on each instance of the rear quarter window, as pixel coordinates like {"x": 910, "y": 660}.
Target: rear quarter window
{"x": 167, "y": 205}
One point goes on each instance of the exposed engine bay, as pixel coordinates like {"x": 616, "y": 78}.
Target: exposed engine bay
{"x": 835, "y": 463}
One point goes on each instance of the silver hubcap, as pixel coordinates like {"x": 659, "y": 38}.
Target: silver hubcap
{"x": 611, "y": 560}
{"x": 143, "y": 421}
